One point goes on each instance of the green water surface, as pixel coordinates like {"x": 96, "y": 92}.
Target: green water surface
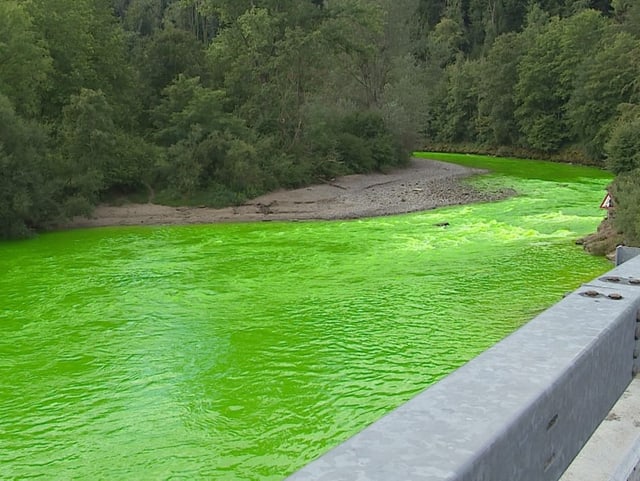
{"x": 242, "y": 351}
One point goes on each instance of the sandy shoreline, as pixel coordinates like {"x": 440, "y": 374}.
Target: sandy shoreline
{"x": 423, "y": 185}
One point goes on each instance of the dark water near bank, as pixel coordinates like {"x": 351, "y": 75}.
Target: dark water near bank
{"x": 240, "y": 352}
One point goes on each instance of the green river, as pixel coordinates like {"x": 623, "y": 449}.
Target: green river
{"x": 243, "y": 351}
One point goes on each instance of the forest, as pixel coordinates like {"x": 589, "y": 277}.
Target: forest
{"x": 212, "y": 102}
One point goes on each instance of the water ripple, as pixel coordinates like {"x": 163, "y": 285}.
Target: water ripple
{"x": 240, "y": 352}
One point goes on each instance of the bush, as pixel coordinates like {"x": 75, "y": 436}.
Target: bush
{"x": 27, "y": 190}
{"x": 626, "y": 194}
{"x": 364, "y": 143}
{"x": 623, "y": 147}
{"x": 354, "y": 152}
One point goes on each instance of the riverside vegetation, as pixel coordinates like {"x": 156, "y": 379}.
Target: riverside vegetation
{"x": 216, "y": 101}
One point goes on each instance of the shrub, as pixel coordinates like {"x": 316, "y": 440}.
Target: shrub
{"x": 364, "y": 143}
{"x": 27, "y": 191}
{"x": 626, "y": 194}
{"x": 623, "y": 147}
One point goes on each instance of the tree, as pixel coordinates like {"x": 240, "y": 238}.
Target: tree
{"x": 194, "y": 16}
{"x": 88, "y": 145}
{"x": 96, "y": 156}
{"x": 503, "y": 16}
{"x": 623, "y": 146}
{"x": 547, "y": 77}
{"x": 430, "y": 12}
{"x": 459, "y": 119}
{"x": 204, "y": 142}
{"x": 143, "y": 16}
{"x": 24, "y": 59}
{"x": 497, "y": 79}
{"x": 27, "y": 190}
{"x": 623, "y": 158}
{"x": 87, "y": 47}
{"x": 242, "y": 59}
{"x": 365, "y": 143}
{"x": 444, "y": 43}
{"x": 627, "y": 13}
{"x": 604, "y": 81}
{"x": 168, "y": 53}
{"x": 626, "y": 193}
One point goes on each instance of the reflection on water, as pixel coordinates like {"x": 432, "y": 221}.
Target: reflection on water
{"x": 240, "y": 352}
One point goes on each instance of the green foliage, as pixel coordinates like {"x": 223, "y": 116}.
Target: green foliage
{"x": 88, "y": 137}
{"x": 96, "y": 156}
{"x": 623, "y": 147}
{"x": 462, "y": 102}
{"x": 245, "y": 57}
{"x": 206, "y": 145}
{"x": 214, "y": 101}
{"x": 26, "y": 187}
{"x": 168, "y": 53}
{"x": 497, "y": 78}
{"x": 623, "y": 158}
{"x": 594, "y": 102}
{"x": 627, "y": 13}
{"x": 547, "y": 77}
{"x": 143, "y": 16}
{"x": 24, "y": 59}
{"x": 445, "y": 42}
{"x": 626, "y": 193}
{"x": 364, "y": 144}
{"x": 87, "y": 48}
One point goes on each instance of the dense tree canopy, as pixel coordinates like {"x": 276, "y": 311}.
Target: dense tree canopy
{"x": 212, "y": 101}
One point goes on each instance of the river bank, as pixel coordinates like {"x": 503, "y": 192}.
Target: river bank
{"x": 424, "y": 184}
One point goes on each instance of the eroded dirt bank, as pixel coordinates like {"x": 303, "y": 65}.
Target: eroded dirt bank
{"x": 424, "y": 184}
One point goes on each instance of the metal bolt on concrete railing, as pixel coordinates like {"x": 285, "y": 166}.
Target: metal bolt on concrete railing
{"x": 593, "y": 294}
{"x": 631, "y": 281}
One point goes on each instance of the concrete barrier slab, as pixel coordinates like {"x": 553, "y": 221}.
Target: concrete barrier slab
{"x": 613, "y": 452}
{"x": 624, "y": 254}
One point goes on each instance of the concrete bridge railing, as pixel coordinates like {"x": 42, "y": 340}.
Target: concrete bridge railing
{"x": 520, "y": 411}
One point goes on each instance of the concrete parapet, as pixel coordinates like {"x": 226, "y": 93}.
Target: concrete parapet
{"x": 520, "y": 411}
{"x": 613, "y": 452}
{"x": 624, "y": 253}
